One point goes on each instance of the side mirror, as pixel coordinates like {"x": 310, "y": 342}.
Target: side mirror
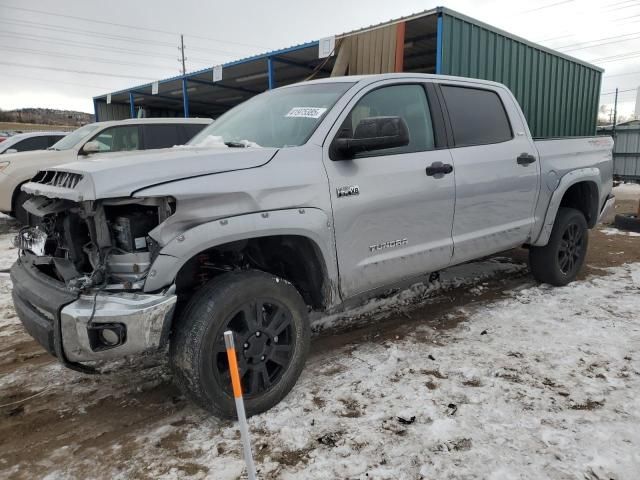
{"x": 90, "y": 147}
{"x": 11, "y": 150}
{"x": 374, "y": 133}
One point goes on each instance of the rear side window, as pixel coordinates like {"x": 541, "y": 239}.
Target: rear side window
{"x": 161, "y": 136}
{"x": 33, "y": 143}
{"x": 477, "y": 116}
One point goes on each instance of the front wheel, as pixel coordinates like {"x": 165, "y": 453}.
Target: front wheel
{"x": 271, "y": 331}
{"x": 560, "y": 261}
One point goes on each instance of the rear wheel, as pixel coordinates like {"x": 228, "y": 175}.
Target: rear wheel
{"x": 560, "y": 261}
{"x": 271, "y": 332}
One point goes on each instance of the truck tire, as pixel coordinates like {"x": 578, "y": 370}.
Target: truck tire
{"x": 559, "y": 262}
{"x": 271, "y": 330}
{"x": 627, "y": 221}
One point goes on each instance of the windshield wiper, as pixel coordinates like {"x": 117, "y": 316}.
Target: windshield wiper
{"x": 236, "y": 144}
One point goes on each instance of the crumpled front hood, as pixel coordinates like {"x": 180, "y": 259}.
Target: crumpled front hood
{"x": 122, "y": 174}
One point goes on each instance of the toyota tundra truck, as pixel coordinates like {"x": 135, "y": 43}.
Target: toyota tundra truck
{"x": 297, "y": 202}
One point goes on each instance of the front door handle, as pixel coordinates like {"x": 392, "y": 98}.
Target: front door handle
{"x": 439, "y": 169}
{"x": 526, "y": 159}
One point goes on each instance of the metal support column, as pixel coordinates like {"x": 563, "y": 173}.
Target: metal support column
{"x": 132, "y": 107}
{"x": 272, "y": 74}
{"x": 95, "y": 110}
{"x": 439, "y": 44}
{"x": 185, "y": 98}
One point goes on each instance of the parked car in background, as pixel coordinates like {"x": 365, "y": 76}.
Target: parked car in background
{"x": 316, "y": 195}
{"x": 101, "y": 138}
{"x": 26, "y": 142}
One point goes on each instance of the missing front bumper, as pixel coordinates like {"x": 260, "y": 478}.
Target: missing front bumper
{"x": 59, "y": 319}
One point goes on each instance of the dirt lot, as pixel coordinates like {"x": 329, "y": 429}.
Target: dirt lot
{"x": 449, "y": 380}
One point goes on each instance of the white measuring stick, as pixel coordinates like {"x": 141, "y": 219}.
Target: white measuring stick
{"x": 237, "y": 394}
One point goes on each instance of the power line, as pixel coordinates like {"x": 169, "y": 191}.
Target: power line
{"x": 48, "y": 80}
{"x": 82, "y": 72}
{"x": 135, "y": 27}
{"x": 81, "y": 57}
{"x": 120, "y": 38}
{"x": 548, "y": 6}
{"x": 56, "y": 28}
{"x": 96, "y": 46}
{"x": 620, "y": 91}
{"x": 603, "y": 40}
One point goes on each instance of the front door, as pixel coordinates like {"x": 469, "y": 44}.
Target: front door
{"x": 392, "y": 220}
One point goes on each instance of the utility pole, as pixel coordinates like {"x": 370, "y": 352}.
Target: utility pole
{"x": 615, "y": 113}
{"x": 184, "y": 69}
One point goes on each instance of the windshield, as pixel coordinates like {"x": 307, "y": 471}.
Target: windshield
{"x": 279, "y": 118}
{"x": 74, "y": 137}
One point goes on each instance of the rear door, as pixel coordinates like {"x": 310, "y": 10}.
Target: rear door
{"x": 496, "y": 170}
{"x": 392, "y": 221}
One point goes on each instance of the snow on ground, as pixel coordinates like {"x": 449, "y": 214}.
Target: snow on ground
{"x": 615, "y": 231}
{"x": 627, "y": 191}
{"x": 542, "y": 384}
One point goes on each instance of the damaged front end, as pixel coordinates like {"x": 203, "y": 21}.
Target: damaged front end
{"x": 80, "y": 273}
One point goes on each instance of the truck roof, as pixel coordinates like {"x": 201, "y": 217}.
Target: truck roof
{"x": 147, "y": 121}
{"x": 366, "y": 79}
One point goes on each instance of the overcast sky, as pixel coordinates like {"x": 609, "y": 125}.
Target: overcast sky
{"x": 90, "y": 47}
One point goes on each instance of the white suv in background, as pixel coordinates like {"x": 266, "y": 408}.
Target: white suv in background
{"x": 26, "y": 142}
{"x": 101, "y": 138}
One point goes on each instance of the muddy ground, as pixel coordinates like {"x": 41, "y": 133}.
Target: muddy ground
{"x": 50, "y": 416}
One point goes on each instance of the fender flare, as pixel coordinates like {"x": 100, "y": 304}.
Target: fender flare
{"x": 311, "y": 223}
{"x": 568, "y": 180}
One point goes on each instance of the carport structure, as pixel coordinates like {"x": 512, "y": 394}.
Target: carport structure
{"x": 558, "y": 94}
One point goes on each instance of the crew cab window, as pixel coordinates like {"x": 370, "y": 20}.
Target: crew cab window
{"x": 29, "y": 144}
{"x": 477, "y": 116}
{"x": 161, "y": 136}
{"x": 168, "y": 135}
{"x": 408, "y": 102}
{"x": 118, "y": 139}
{"x": 53, "y": 139}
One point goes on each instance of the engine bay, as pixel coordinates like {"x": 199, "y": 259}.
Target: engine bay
{"x": 94, "y": 244}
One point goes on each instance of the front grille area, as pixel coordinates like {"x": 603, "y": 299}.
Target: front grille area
{"x": 57, "y": 179}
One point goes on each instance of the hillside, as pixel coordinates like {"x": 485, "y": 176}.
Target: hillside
{"x": 46, "y": 116}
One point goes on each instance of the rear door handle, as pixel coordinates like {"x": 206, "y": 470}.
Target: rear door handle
{"x": 439, "y": 169}
{"x": 526, "y": 159}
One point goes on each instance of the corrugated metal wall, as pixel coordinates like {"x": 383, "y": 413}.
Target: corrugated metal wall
{"x": 626, "y": 152}
{"x": 559, "y": 97}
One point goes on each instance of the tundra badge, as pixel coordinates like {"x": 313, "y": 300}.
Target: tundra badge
{"x": 348, "y": 191}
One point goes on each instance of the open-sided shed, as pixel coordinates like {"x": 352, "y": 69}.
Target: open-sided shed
{"x": 558, "y": 94}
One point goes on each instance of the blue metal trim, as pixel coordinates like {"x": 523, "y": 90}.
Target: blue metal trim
{"x": 95, "y": 111}
{"x": 439, "y": 44}
{"x": 228, "y": 87}
{"x": 293, "y": 63}
{"x": 271, "y": 73}
{"x": 241, "y": 61}
{"x": 185, "y": 98}
{"x": 132, "y": 107}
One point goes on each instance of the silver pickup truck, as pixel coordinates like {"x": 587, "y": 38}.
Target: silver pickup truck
{"x": 305, "y": 198}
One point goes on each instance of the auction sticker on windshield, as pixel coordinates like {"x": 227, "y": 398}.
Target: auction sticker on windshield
{"x": 306, "y": 112}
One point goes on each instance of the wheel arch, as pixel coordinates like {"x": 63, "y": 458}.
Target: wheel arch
{"x": 291, "y": 243}
{"x": 577, "y": 189}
